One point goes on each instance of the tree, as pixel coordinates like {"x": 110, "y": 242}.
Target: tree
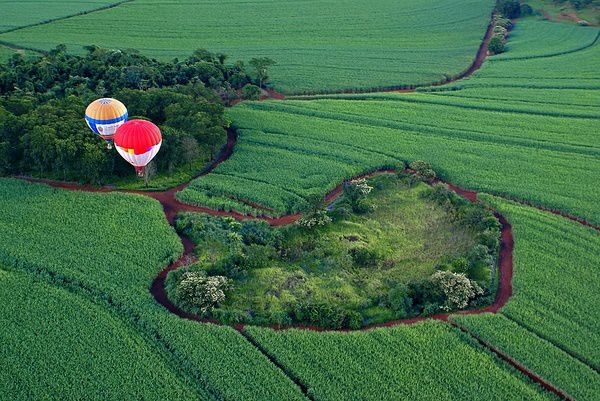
{"x": 509, "y": 8}
{"x": 423, "y": 170}
{"x": 189, "y": 150}
{"x": 496, "y": 45}
{"x": 457, "y": 288}
{"x": 400, "y": 301}
{"x": 355, "y": 192}
{"x": 196, "y": 291}
{"x": 250, "y": 92}
{"x": 149, "y": 173}
{"x": 261, "y": 66}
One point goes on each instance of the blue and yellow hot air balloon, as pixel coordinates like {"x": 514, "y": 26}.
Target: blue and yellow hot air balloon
{"x": 104, "y": 116}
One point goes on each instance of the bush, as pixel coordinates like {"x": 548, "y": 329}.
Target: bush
{"x": 509, "y": 8}
{"x": 198, "y": 292}
{"x": 526, "y": 10}
{"x": 499, "y": 20}
{"x": 251, "y": 92}
{"x": 365, "y": 257}
{"x": 458, "y": 290}
{"x": 355, "y": 192}
{"x": 400, "y": 301}
{"x": 259, "y": 232}
{"x": 496, "y": 45}
{"x": 318, "y": 218}
{"x": 258, "y": 256}
{"x": 353, "y": 320}
{"x": 423, "y": 170}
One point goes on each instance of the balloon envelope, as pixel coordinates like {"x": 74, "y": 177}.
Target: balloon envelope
{"x": 138, "y": 141}
{"x": 104, "y": 116}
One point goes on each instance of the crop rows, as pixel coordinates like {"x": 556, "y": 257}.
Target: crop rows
{"x": 542, "y": 149}
{"x": 26, "y": 12}
{"x": 426, "y": 361}
{"x": 48, "y": 336}
{"x": 545, "y": 159}
{"x": 110, "y": 247}
{"x": 555, "y": 280}
{"x": 532, "y": 39}
{"x": 318, "y": 46}
{"x": 569, "y": 374}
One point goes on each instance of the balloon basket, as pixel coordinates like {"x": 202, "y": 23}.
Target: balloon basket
{"x": 139, "y": 171}
{"x": 109, "y": 145}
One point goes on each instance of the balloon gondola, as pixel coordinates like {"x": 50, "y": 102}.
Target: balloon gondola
{"x": 138, "y": 141}
{"x": 104, "y": 116}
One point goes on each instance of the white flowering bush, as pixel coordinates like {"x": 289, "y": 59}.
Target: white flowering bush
{"x": 457, "y": 288}
{"x": 202, "y": 293}
{"x": 316, "y": 219}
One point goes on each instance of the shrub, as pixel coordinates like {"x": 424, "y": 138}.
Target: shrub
{"x": 526, "y": 10}
{"x": 364, "y": 257}
{"x": 457, "y": 288}
{"x": 259, "y": 232}
{"x": 496, "y": 45}
{"x": 509, "y": 8}
{"x": 251, "y": 92}
{"x": 499, "y": 20}
{"x": 318, "y": 218}
{"x": 353, "y": 320}
{"x": 400, "y": 301}
{"x": 198, "y": 292}
{"x": 423, "y": 170}
{"x": 258, "y": 256}
{"x": 355, "y": 192}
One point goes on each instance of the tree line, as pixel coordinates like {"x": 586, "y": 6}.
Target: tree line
{"x": 43, "y": 99}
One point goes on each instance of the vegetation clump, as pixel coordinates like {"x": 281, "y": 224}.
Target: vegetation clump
{"x": 351, "y": 264}
{"x": 198, "y": 292}
{"x": 42, "y": 103}
{"x": 501, "y": 27}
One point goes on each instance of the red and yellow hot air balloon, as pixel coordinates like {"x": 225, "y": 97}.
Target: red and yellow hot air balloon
{"x": 138, "y": 141}
{"x": 104, "y": 116}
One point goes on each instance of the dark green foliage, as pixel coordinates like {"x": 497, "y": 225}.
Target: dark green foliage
{"x": 509, "y": 8}
{"x": 526, "y": 10}
{"x": 43, "y": 100}
{"x": 400, "y": 300}
{"x": 326, "y": 315}
{"x": 496, "y": 45}
{"x": 251, "y": 92}
{"x": 423, "y": 170}
{"x": 365, "y": 257}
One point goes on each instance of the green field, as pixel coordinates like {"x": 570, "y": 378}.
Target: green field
{"x": 536, "y": 144}
{"x": 77, "y": 319}
{"x": 18, "y": 13}
{"x": 59, "y": 345}
{"x": 548, "y": 325}
{"x": 317, "y": 47}
{"x": 109, "y": 248}
{"x": 427, "y": 361}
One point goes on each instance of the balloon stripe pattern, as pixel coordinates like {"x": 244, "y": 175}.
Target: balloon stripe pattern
{"x": 138, "y": 141}
{"x": 104, "y": 116}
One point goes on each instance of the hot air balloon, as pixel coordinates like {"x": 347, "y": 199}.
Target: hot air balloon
{"x": 104, "y": 116}
{"x": 138, "y": 141}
